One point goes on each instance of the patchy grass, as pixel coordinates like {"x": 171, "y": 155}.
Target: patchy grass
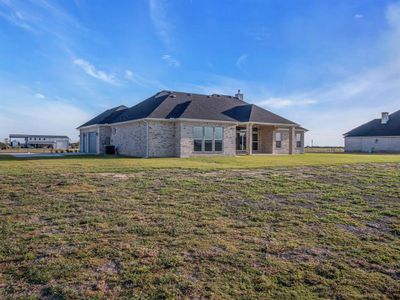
{"x": 123, "y": 164}
{"x": 116, "y": 228}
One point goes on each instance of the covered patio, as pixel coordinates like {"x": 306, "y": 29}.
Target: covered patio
{"x": 258, "y": 138}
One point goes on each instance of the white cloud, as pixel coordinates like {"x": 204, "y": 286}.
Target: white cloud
{"x": 358, "y": 16}
{"x": 172, "y": 62}
{"x": 241, "y": 61}
{"x": 39, "y": 96}
{"x": 284, "y": 102}
{"x": 92, "y": 71}
{"x": 160, "y": 20}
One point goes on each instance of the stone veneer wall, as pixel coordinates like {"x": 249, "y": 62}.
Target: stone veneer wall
{"x": 130, "y": 139}
{"x": 185, "y": 139}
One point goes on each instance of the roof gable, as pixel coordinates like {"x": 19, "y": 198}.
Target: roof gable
{"x": 106, "y": 117}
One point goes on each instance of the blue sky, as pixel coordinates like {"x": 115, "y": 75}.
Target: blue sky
{"x": 328, "y": 65}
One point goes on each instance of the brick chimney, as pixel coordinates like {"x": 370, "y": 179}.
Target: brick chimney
{"x": 239, "y": 95}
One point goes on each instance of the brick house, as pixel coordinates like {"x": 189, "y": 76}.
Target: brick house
{"x": 378, "y": 135}
{"x": 177, "y": 124}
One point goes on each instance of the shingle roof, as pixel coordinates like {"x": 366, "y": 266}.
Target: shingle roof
{"x": 376, "y": 128}
{"x": 175, "y": 105}
{"x": 106, "y": 117}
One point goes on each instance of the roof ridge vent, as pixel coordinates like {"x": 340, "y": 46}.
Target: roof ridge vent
{"x": 172, "y": 96}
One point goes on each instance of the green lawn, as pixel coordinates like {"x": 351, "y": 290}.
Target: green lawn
{"x": 267, "y": 227}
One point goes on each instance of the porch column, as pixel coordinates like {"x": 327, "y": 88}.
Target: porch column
{"x": 292, "y": 140}
{"x": 249, "y": 138}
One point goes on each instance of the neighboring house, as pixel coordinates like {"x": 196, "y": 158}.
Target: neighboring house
{"x": 183, "y": 124}
{"x": 39, "y": 141}
{"x": 378, "y": 135}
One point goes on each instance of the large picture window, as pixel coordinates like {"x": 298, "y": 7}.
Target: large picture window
{"x": 218, "y": 137}
{"x": 198, "y": 138}
{"x": 278, "y": 140}
{"x": 207, "y": 139}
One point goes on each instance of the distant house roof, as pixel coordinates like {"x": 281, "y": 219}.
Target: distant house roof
{"x": 17, "y": 136}
{"x": 376, "y": 128}
{"x": 180, "y": 105}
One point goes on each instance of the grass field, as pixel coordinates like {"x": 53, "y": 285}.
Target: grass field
{"x": 268, "y": 227}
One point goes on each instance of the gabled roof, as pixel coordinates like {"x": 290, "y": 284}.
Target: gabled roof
{"x": 106, "y": 117}
{"x": 180, "y": 105}
{"x": 376, "y": 128}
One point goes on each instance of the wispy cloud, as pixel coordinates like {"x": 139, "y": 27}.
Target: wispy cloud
{"x": 142, "y": 81}
{"x": 241, "y": 61}
{"x": 92, "y": 71}
{"x": 39, "y": 96}
{"x": 39, "y": 16}
{"x": 358, "y": 16}
{"x": 284, "y": 102}
{"x": 160, "y": 20}
{"x": 172, "y": 62}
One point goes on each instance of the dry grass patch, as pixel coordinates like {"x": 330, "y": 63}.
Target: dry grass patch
{"x": 299, "y": 232}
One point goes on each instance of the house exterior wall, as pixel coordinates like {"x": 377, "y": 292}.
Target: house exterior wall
{"x": 162, "y": 139}
{"x": 372, "y": 144}
{"x": 153, "y": 138}
{"x": 185, "y": 139}
{"x": 284, "y": 149}
{"x": 299, "y": 150}
{"x": 130, "y": 138}
{"x": 104, "y": 138}
{"x": 265, "y": 136}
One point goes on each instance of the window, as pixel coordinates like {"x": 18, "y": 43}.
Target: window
{"x": 218, "y": 137}
{"x": 198, "y": 138}
{"x": 278, "y": 140}
{"x": 114, "y": 130}
{"x": 207, "y": 139}
{"x": 298, "y": 140}
{"x": 255, "y": 139}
